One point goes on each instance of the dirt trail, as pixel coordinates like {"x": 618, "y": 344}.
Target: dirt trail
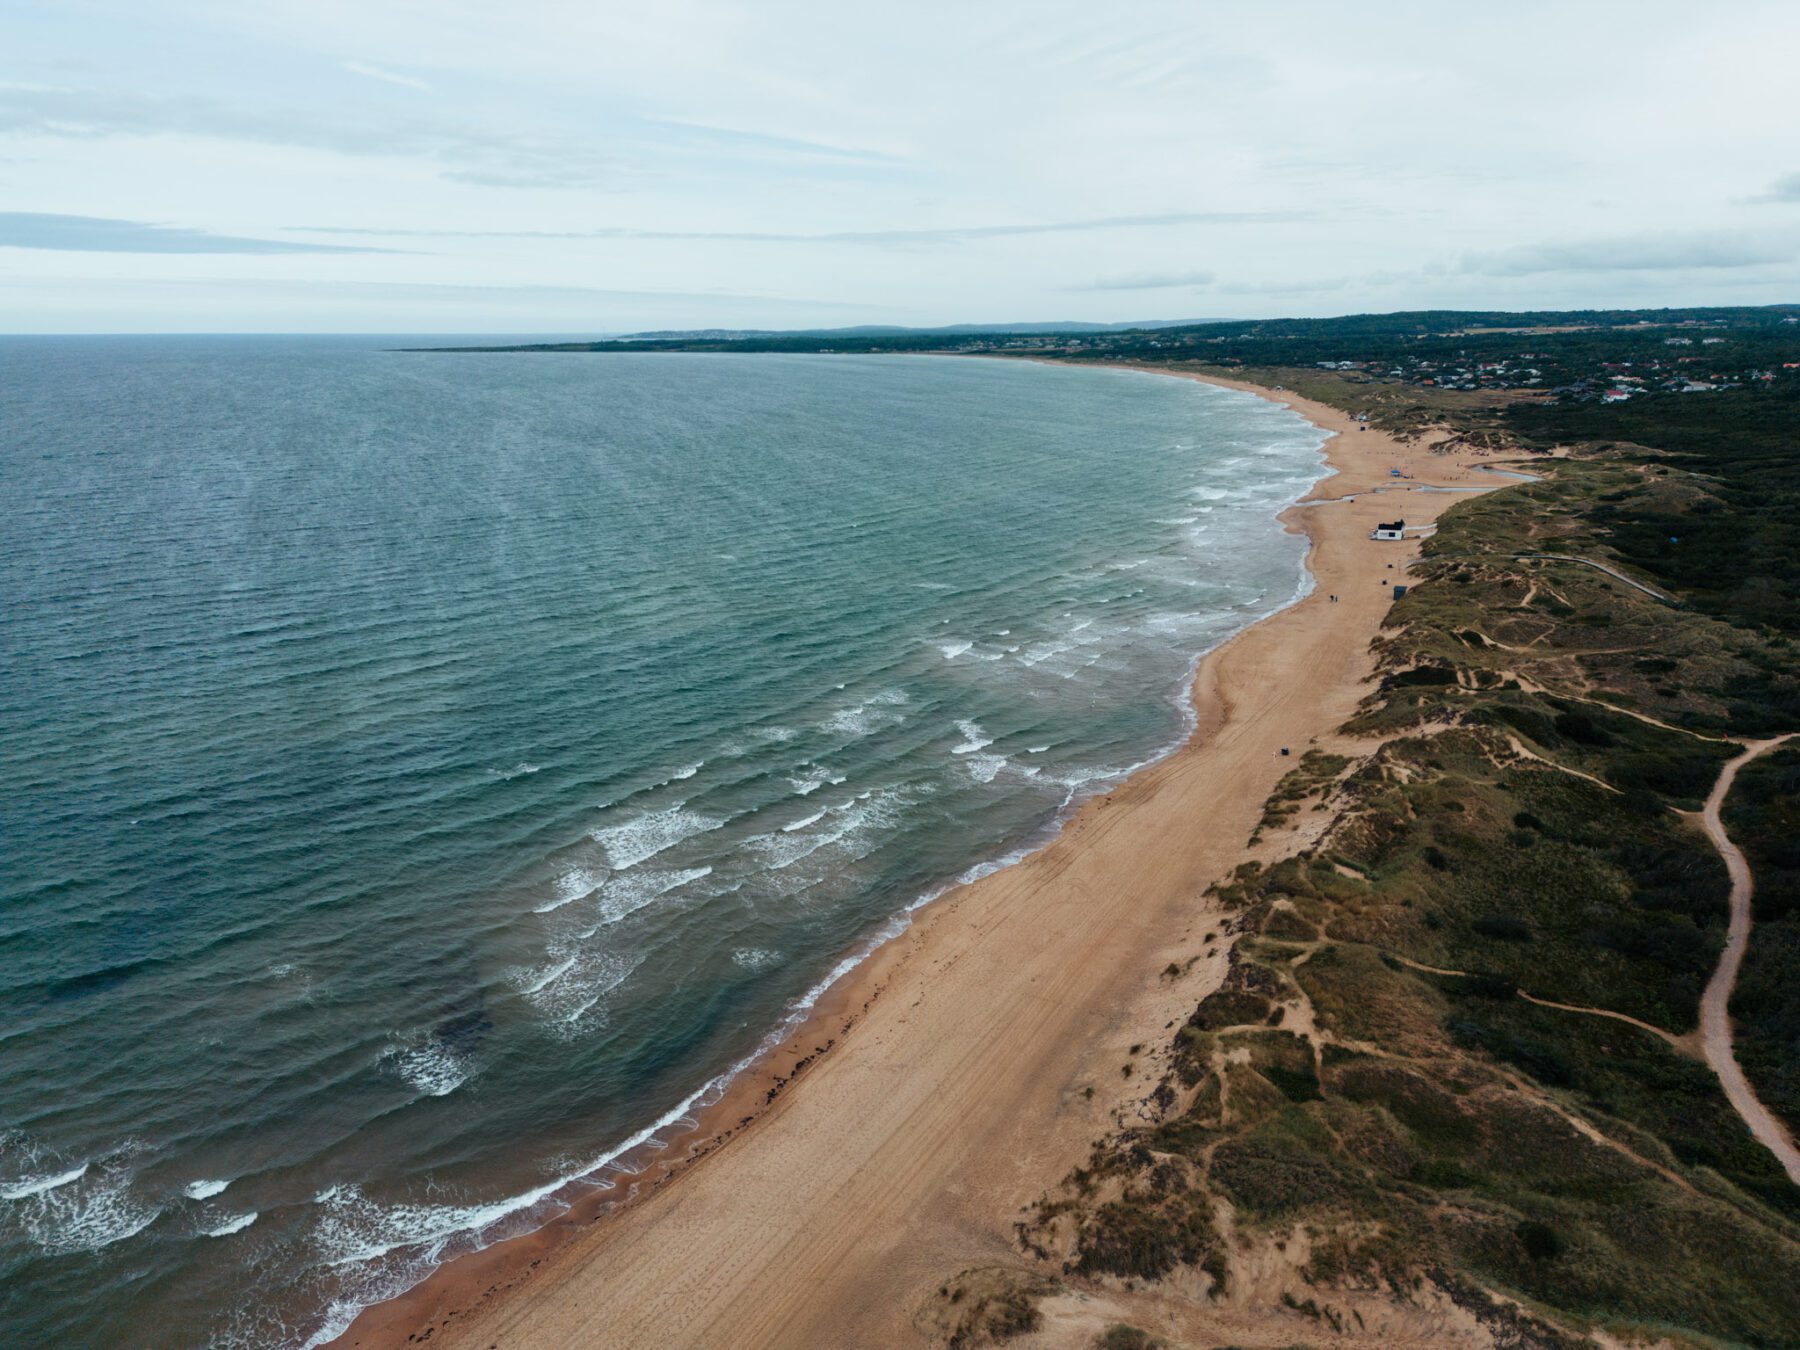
{"x": 1715, "y": 1003}
{"x": 1680, "y": 1043}
{"x": 1613, "y": 572}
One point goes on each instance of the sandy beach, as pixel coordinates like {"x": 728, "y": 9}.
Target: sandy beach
{"x": 957, "y": 1075}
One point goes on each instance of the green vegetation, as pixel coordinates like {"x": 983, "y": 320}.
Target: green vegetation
{"x": 1119, "y": 1336}
{"x": 1379, "y": 1073}
{"x": 1308, "y": 781}
{"x": 985, "y": 1305}
{"x": 1763, "y": 815}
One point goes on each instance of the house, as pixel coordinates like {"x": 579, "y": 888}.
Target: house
{"x": 1394, "y": 529}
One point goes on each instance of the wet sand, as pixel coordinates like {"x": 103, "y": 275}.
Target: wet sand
{"x": 954, "y": 1077}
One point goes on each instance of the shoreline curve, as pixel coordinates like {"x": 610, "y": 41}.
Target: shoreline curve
{"x": 571, "y": 1280}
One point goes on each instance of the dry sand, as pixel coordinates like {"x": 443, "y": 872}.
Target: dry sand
{"x": 956, "y": 1089}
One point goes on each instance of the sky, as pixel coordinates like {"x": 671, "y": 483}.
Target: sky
{"x": 447, "y": 166}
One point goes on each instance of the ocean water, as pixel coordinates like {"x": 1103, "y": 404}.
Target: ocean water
{"x": 421, "y": 776}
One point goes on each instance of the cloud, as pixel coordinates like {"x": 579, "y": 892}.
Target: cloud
{"x": 484, "y": 152}
{"x": 747, "y": 138}
{"x": 1700, "y": 250}
{"x": 465, "y": 153}
{"x": 449, "y": 291}
{"x": 942, "y": 234}
{"x": 1149, "y": 281}
{"x": 99, "y": 234}
{"x": 387, "y": 76}
{"x": 1784, "y": 189}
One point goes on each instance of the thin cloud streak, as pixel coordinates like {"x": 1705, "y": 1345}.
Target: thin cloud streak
{"x": 944, "y": 234}
{"x": 100, "y": 234}
{"x": 461, "y": 153}
{"x": 1698, "y": 250}
{"x": 1784, "y": 189}
{"x": 1151, "y": 281}
{"x": 386, "y": 76}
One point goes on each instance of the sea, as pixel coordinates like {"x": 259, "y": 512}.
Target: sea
{"x": 426, "y": 777}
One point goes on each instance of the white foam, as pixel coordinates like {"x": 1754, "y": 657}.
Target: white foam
{"x": 230, "y": 1226}
{"x": 520, "y": 768}
{"x": 575, "y": 884}
{"x": 549, "y": 975}
{"x": 203, "y": 1190}
{"x": 626, "y": 895}
{"x": 582, "y": 982}
{"x": 680, "y": 775}
{"x": 952, "y": 650}
{"x": 872, "y": 714}
{"x": 813, "y": 819}
{"x": 433, "y": 1069}
{"x": 985, "y": 768}
{"x": 1039, "y": 652}
{"x": 643, "y": 837}
{"x": 809, "y": 783}
{"x": 353, "y": 1228}
{"x": 27, "y": 1186}
{"x": 784, "y": 849}
{"x": 974, "y": 738}
{"x": 755, "y": 958}
{"x": 848, "y": 821}
{"x": 84, "y": 1213}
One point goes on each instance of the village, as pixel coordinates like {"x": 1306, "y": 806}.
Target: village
{"x": 1604, "y": 363}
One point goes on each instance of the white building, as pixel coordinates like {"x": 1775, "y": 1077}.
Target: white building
{"x": 1394, "y": 529}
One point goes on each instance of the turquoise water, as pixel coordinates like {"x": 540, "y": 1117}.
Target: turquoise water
{"x": 424, "y": 774}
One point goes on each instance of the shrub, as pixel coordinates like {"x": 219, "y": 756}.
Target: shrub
{"x": 1504, "y": 927}
{"x": 1119, "y": 1336}
{"x": 1579, "y": 727}
{"x": 1539, "y": 1240}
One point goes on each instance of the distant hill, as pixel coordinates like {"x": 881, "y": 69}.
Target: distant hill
{"x": 1271, "y": 342}
{"x": 884, "y": 330}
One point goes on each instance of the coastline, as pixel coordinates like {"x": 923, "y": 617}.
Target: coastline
{"x": 989, "y": 1034}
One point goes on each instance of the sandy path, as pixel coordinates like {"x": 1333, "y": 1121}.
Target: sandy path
{"x": 903, "y": 1156}
{"x": 1715, "y": 1003}
{"x": 1680, "y": 1043}
{"x": 1612, "y": 572}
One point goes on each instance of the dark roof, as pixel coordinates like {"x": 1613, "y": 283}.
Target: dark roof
{"x": 1392, "y": 525}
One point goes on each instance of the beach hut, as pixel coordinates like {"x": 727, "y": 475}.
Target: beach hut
{"x": 1393, "y": 529}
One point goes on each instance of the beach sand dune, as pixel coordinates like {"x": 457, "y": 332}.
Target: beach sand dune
{"x": 990, "y": 1043}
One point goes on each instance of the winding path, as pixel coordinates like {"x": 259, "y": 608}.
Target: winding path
{"x": 1613, "y": 572}
{"x": 1715, "y": 1003}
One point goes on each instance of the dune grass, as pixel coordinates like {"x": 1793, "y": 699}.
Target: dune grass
{"x": 1372, "y": 1074}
